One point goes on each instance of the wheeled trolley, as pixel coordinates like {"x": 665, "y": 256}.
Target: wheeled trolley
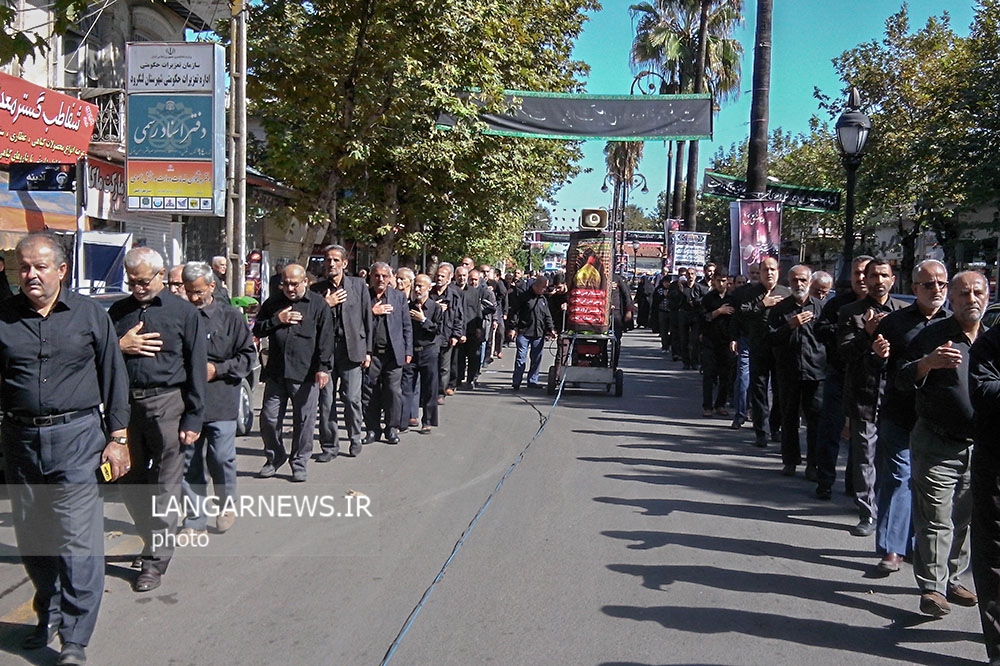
{"x": 586, "y": 359}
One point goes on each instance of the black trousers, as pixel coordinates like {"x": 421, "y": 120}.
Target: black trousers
{"x": 765, "y": 413}
{"x": 446, "y": 358}
{"x": 716, "y": 368}
{"x": 157, "y": 471}
{"x": 663, "y": 329}
{"x": 410, "y": 390}
{"x": 381, "y": 392}
{"x": 985, "y": 546}
{"x": 427, "y": 362}
{"x": 799, "y": 396}
{"x": 468, "y": 360}
{"x": 58, "y": 519}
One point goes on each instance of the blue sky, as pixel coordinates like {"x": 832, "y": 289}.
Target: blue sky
{"x": 807, "y": 35}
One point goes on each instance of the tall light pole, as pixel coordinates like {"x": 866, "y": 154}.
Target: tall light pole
{"x": 622, "y": 190}
{"x": 852, "y": 128}
{"x": 664, "y": 88}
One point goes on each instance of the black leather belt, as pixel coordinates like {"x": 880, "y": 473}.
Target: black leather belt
{"x": 48, "y": 419}
{"x": 140, "y": 393}
{"x": 419, "y": 349}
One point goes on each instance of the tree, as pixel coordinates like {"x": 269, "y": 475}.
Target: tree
{"x": 17, "y": 44}
{"x": 348, "y": 94}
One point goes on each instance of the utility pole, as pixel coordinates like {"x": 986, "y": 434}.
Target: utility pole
{"x": 236, "y": 170}
{"x": 759, "y": 105}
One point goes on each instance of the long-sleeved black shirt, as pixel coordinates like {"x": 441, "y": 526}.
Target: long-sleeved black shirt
{"x": 750, "y": 319}
{"x": 899, "y": 328}
{"x": 65, "y": 362}
{"x": 943, "y": 394}
{"x": 296, "y": 351}
{"x": 231, "y": 350}
{"x": 180, "y": 362}
{"x": 454, "y": 314}
{"x": 798, "y": 353}
{"x": 715, "y": 332}
{"x": 984, "y": 390}
{"x": 427, "y": 332}
{"x": 826, "y": 329}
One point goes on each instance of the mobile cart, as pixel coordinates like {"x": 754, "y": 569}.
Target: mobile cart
{"x": 586, "y": 350}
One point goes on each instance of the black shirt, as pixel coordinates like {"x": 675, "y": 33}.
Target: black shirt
{"x": 533, "y": 319}
{"x": 181, "y": 361}
{"x": 751, "y": 314}
{"x": 715, "y": 332}
{"x": 65, "y": 362}
{"x": 230, "y": 349}
{"x": 943, "y": 395}
{"x": 296, "y": 351}
{"x": 984, "y": 389}
{"x": 798, "y": 353}
{"x": 899, "y": 328}
{"x": 427, "y": 332}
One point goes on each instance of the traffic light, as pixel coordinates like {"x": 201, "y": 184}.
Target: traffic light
{"x": 593, "y": 219}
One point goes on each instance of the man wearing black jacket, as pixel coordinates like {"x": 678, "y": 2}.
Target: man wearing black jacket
{"x": 427, "y": 318}
{"x": 392, "y": 348}
{"x": 449, "y": 297}
{"x": 799, "y": 361}
{"x": 298, "y": 327}
{"x": 716, "y": 359}
{"x": 832, "y": 415}
{"x": 530, "y": 325}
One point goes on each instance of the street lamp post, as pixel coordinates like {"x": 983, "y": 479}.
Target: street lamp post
{"x": 635, "y": 259}
{"x": 622, "y": 190}
{"x": 852, "y": 128}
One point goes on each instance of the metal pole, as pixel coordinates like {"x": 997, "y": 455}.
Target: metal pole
{"x": 851, "y": 164}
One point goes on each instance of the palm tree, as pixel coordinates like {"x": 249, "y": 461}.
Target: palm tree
{"x": 690, "y": 43}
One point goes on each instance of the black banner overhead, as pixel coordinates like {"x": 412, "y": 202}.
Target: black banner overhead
{"x": 813, "y": 199}
{"x": 605, "y": 117}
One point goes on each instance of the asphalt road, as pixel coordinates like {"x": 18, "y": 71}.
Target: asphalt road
{"x": 628, "y": 531}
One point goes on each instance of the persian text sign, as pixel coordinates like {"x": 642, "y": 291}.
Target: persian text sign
{"x": 689, "y": 249}
{"x": 171, "y": 67}
{"x": 41, "y": 125}
{"x": 170, "y": 126}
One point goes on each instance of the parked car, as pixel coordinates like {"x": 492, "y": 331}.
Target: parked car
{"x": 991, "y": 316}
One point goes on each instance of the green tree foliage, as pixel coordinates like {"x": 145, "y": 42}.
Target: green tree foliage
{"x": 19, "y": 45}
{"x": 348, "y": 94}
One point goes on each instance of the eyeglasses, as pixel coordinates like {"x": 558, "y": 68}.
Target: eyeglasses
{"x": 933, "y": 284}
{"x": 175, "y": 284}
{"x": 142, "y": 283}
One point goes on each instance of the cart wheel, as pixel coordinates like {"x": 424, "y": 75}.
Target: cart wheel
{"x": 619, "y": 382}
{"x": 550, "y": 387}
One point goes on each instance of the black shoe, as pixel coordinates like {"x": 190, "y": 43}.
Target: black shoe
{"x": 761, "y": 441}
{"x": 370, "y": 437}
{"x": 72, "y": 654}
{"x": 41, "y": 635}
{"x": 324, "y": 457}
{"x": 393, "y": 436}
{"x": 149, "y": 579}
{"x": 737, "y": 423}
{"x": 137, "y": 562}
{"x": 299, "y": 476}
{"x": 823, "y": 493}
{"x": 776, "y": 436}
{"x": 355, "y": 449}
{"x": 788, "y": 470}
{"x": 267, "y": 471}
{"x": 865, "y": 527}
{"x": 810, "y": 473}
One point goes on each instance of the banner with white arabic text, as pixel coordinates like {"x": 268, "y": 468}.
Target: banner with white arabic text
{"x": 588, "y": 274}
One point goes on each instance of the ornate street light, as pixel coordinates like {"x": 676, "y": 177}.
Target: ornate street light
{"x": 852, "y": 128}
{"x": 635, "y": 258}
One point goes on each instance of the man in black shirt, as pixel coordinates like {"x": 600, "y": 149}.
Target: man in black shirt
{"x": 831, "y": 421}
{"x": 164, "y": 346}
{"x": 897, "y": 414}
{"x": 449, "y": 297}
{"x": 61, "y": 363}
{"x": 297, "y": 325}
{"x": 799, "y": 361}
{"x": 530, "y": 325}
{"x": 937, "y": 368}
{"x": 392, "y": 348}
{"x": 716, "y": 360}
{"x": 427, "y": 318}
{"x": 231, "y": 354}
{"x": 350, "y": 307}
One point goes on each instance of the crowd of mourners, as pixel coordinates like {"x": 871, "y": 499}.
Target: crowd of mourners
{"x": 148, "y": 395}
{"x": 911, "y": 387}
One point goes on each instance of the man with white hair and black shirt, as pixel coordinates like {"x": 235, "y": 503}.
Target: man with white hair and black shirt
{"x": 937, "y": 368}
{"x": 446, "y": 294}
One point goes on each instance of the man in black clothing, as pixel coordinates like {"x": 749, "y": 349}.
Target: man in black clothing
{"x": 449, "y": 297}
{"x": 530, "y": 325}
{"x": 751, "y": 322}
{"x": 163, "y": 343}
{"x": 299, "y": 330}
{"x": 832, "y": 417}
{"x": 231, "y": 355}
{"x": 350, "y": 306}
{"x": 862, "y": 387}
{"x": 716, "y": 359}
{"x": 427, "y": 318}
{"x": 799, "y": 361}
{"x": 689, "y": 318}
{"x": 897, "y": 414}
{"x": 392, "y": 348}
{"x": 53, "y": 439}
{"x": 621, "y": 312}
{"x": 937, "y": 368}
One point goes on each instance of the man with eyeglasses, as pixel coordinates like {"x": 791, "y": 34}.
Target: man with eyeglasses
{"x": 175, "y": 281}
{"x": 231, "y": 354}
{"x": 299, "y": 331}
{"x": 163, "y": 343}
{"x": 936, "y": 367}
{"x": 897, "y": 413}
{"x": 350, "y": 305}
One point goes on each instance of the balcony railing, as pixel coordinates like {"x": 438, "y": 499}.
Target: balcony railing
{"x": 110, "y": 126}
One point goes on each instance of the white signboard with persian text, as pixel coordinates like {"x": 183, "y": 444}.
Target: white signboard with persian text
{"x": 173, "y": 67}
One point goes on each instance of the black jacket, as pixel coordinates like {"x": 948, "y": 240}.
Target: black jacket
{"x": 862, "y": 387}
{"x": 798, "y": 353}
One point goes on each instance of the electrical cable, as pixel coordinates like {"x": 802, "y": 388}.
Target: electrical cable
{"x": 411, "y": 618}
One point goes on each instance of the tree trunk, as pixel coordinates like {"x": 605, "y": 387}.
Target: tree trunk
{"x": 675, "y": 205}
{"x": 759, "y": 106}
{"x": 691, "y": 193}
